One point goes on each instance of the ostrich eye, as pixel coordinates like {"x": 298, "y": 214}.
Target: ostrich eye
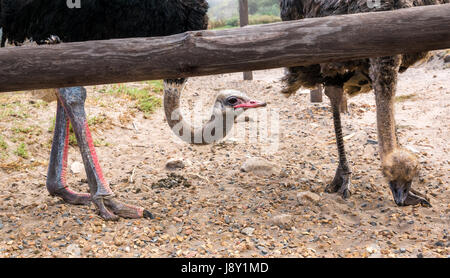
{"x": 232, "y": 100}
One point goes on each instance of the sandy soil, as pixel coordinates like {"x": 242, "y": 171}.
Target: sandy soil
{"x": 226, "y": 212}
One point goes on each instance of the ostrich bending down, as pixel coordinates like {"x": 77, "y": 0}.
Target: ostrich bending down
{"x": 39, "y": 20}
{"x": 353, "y": 77}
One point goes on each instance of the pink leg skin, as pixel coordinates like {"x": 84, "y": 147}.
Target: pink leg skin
{"x": 108, "y": 204}
{"x": 57, "y": 172}
{"x": 109, "y": 209}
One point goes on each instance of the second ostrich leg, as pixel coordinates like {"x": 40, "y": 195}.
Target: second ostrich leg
{"x": 341, "y": 181}
{"x": 57, "y": 169}
{"x": 400, "y": 167}
{"x": 72, "y": 100}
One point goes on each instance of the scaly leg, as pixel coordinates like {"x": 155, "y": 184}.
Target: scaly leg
{"x": 400, "y": 167}
{"x": 341, "y": 181}
{"x": 72, "y": 99}
{"x": 57, "y": 170}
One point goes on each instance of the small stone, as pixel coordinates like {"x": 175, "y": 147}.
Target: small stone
{"x": 128, "y": 249}
{"x": 117, "y": 241}
{"x": 284, "y": 221}
{"x": 258, "y": 166}
{"x": 372, "y": 142}
{"x": 447, "y": 58}
{"x": 76, "y": 167}
{"x": 1, "y": 225}
{"x": 175, "y": 164}
{"x": 412, "y": 149}
{"x": 227, "y": 219}
{"x": 262, "y": 249}
{"x": 303, "y": 197}
{"x": 374, "y": 250}
{"x": 73, "y": 250}
{"x": 420, "y": 255}
{"x": 248, "y": 231}
{"x": 402, "y": 250}
{"x": 439, "y": 243}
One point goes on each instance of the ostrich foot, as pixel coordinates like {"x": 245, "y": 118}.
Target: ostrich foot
{"x": 112, "y": 210}
{"x": 405, "y": 196}
{"x": 71, "y": 197}
{"x": 340, "y": 183}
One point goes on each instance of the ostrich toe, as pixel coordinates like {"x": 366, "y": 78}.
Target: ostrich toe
{"x": 340, "y": 184}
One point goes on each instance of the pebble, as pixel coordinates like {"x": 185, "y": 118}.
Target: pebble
{"x": 262, "y": 250}
{"x": 439, "y": 243}
{"x": 447, "y": 59}
{"x": 258, "y": 166}
{"x": 303, "y": 197}
{"x": 284, "y": 221}
{"x": 1, "y": 225}
{"x": 402, "y": 250}
{"x": 248, "y": 231}
{"x": 74, "y": 250}
{"x": 412, "y": 149}
{"x": 175, "y": 164}
{"x": 76, "y": 167}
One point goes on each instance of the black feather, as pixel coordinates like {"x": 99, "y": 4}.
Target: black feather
{"x": 37, "y": 20}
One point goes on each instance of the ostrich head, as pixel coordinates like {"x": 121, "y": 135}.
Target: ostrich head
{"x": 229, "y": 104}
{"x": 233, "y": 102}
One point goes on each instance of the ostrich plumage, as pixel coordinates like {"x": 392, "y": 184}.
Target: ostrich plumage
{"x": 361, "y": 76}
{"x": 99, "y": 19}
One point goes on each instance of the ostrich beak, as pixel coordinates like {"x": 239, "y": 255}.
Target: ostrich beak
{"x": 251, "y": 104}
{"x": 405, "y": 196}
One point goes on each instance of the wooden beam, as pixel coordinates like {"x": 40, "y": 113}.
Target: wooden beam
{"x": 243, "y": 19}
{"x": 258, "y": 47}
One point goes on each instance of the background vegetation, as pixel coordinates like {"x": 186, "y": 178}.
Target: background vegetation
{"x": 225, "y": 13}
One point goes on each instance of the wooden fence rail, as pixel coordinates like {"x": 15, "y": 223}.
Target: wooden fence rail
{"x": 309, "y": 41}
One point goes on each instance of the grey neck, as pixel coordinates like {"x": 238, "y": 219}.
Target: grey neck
{"x": 219, "y": 125}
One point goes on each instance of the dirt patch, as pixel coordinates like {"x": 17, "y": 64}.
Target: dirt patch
{"x": 226, "y": 212}
{"x": 172, "y": 181}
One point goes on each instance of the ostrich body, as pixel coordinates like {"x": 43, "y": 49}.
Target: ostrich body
{"x": 39, "y": 20}
{"x": 400, "y": 167}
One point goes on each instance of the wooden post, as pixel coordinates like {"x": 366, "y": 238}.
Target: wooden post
{"x": 256, "y": 47}
{"x": 243, "y": 18}
{"x": 316, "y": 95}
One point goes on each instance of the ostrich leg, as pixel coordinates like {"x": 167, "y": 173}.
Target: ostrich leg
{"x": 72, "y": 100}
{"x": 400, "y": 167}
{"x": 57, "y": 170}
{"x": 341, "y": 181}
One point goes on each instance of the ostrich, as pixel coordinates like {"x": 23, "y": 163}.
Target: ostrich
{"x": 49, "y": 21}
{"x": 399, "y": 166}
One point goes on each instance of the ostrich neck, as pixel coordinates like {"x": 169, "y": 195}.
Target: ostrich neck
{"x": 214, "y": 130}
{"x": 386, "y": 125}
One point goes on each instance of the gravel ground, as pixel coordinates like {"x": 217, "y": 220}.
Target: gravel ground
{"x": 214, "y": 209}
